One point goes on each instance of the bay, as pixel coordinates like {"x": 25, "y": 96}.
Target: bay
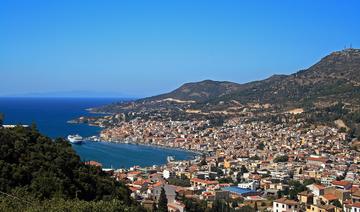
{"x": 51, "y": 116}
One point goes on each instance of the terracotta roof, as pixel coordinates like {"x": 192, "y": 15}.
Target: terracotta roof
{"x": 320, "y": 159}
{"x": 356, "y": 193}
{"x": 326, "y": 207}
{"x": 356, "y": 204}
{"x": 133, "y": 189}
{"x": 210, "y": 182}
{"x": 157, "y": 184}
{"x": 341, "y": 183}
{"x": 330, "y": 197}
{"x": 306, "y": 193}
{"x": 286, "y": 201}
{"x": 140, "y": 182}
{"x": 319, "y": 186}
{"x": 134, "y": 173}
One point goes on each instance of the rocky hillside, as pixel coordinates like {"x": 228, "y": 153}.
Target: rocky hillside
{"x": 335, "y": 77}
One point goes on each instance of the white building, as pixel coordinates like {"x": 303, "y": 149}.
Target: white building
{"x": 285, "y": 205}
{"x": 253, "y": 185}
{"x": 167, "y": 174}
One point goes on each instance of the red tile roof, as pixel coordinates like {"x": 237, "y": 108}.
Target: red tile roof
{"x": 209, "y": 182}
{"x": 286, "y": 201}
{"x": 330, "y": 197}
{"x": 356, "y": 204}
{"x": 319, "y": 186}
{"x": 341, "y": 183}
{"x": 320, "y": 159}
{"x": 134, "y": 173}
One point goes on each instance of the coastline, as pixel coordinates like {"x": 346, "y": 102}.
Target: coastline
{"x": 129, "y": 141}
{"x": 197, "y": 153}
{"x": 126, "y": 156}
{"x": 90, "y": 111}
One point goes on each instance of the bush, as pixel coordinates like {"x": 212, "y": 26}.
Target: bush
{"x": 283, "y": 158}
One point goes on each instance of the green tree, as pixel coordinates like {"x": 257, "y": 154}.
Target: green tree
{"x": 243, "y": 169}
{"x": 226, "y": 180}
{"x": 283, "y": 158}
{"x": 162, "y": 205}
{"x": 203, "y": 160}
{"x": 183, "y": 181}
{"x": 43, "y": 170}
{"x": 337, "y": 203}
{"x": 246, "y": 208}
{"x": 261, "y": 146}
{"x": 220, "y": 206}
{"x": 234, "y": 204}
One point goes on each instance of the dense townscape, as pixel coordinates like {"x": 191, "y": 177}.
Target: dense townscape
{"x": 261, "y": 146}
{"x": 285, "y": 166}
{"x": 287, "y": 143}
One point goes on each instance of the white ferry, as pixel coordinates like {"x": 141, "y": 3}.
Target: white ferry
{"x": 75, "y": 139}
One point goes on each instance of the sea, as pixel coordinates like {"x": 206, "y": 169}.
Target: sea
{"x": 51, "y": 115}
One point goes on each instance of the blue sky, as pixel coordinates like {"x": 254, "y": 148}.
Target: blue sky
{"x": 142, "y": 48}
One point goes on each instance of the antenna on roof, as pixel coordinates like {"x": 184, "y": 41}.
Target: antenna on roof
{"x": 350, "y": 45}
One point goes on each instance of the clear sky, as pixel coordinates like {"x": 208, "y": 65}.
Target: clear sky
{"x": 141, "y": 48}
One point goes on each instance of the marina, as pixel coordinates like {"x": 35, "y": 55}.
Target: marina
{"x": 54, "y": 123}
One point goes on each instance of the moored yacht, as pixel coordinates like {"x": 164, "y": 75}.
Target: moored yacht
{"x": 75, "y": 139}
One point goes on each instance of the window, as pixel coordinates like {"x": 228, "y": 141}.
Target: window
{"x": 277, "y": 205}
{"x": 283, "y": 206}
{"x": 289, "y": 206}
{"x": 295, "y": 206}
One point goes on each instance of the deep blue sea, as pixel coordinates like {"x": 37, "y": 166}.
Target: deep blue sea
{"x": 51, "y": 116}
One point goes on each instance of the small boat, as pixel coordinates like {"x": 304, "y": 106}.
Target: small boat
{"x": 170, "y": 159}
{"x": 75, "y": 139}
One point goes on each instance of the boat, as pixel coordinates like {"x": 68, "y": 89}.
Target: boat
{"x": 75, "y": 139}
{"x": 170, "y": 159}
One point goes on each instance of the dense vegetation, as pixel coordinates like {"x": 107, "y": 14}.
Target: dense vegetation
{"x": 180, "y": 181}
{"x": 162, "y": 205}
{"x": 37, "y": 172}
{"x": 280, "y": 159}
{"x": 193, "y": 205}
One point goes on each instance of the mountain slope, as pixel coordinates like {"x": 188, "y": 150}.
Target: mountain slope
{"x": 199, "y": 91}
{"x": 335, "y": 77}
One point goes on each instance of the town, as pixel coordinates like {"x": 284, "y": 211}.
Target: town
{"x": 243, "y": 164}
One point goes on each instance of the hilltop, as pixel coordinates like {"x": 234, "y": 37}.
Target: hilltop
{"x": 336, "y": 75}
{"x": 333, "y": 82}
{"x": 199, "y": 91}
